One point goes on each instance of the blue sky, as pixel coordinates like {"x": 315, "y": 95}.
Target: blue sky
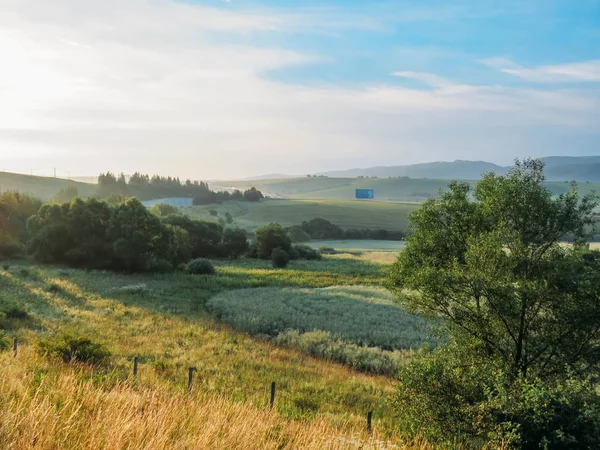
{"x": 215, "y": 89}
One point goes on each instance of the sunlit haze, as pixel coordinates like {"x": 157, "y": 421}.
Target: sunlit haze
{"x": 213, "y": 89}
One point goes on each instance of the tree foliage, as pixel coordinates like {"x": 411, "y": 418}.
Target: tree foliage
{"x": 522, "y": 311}
{"x": 492, "y": 266}
{"x": 270, "y": 237}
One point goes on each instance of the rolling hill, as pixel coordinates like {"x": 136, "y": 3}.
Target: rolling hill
{"x": 386, "y": 189}
{"x": 42, "y": 187}
{"x": 391, "y": 216}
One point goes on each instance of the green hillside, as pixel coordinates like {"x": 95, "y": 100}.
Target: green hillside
{"x": 347, "y": 214}
{"x": 386, "y": 189}
{"x": 42, "y": 187}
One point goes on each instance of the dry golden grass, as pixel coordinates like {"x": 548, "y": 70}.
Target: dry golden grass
{"x": 50, "y": 405}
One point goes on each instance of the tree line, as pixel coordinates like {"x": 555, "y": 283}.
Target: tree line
{"x": 146, "y": 187}
{"x": 320, "y": 229}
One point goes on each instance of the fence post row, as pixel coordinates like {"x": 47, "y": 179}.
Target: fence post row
{"x": 272, "y": 394}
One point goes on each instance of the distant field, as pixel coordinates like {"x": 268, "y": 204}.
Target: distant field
{"x": 43, "y": 187}
{"x": 386, "y": 189}
{"x": 360, "y": 245}
{"x": 347, "y": 214}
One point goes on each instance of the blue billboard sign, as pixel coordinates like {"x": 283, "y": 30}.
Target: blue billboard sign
{"x": 368, "y": 194}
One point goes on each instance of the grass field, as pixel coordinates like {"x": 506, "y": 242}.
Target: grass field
{"x": 162, "y": 319}
{"x": 42, "y": 187}
{"x": 347, "y": 214}
{"x": 360, "y": 245}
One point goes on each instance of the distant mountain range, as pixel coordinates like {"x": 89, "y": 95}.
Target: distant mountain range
{"x": 558, "y": 168}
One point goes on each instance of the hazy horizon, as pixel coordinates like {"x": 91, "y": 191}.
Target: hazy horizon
{"x": 232, "y": 89}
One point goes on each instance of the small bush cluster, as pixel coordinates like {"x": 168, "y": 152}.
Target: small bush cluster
{"x": 323, "y": 229}
{"x": 72, "y": 348}
{"x": 200, "y": 266}
{"x": 300, "y": 251}
{"x": 280, "y": 258}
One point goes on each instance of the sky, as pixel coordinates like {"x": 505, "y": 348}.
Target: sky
{"x": 211, "y": 89}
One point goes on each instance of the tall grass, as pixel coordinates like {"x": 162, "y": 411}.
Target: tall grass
{"x": 49, "y": 406}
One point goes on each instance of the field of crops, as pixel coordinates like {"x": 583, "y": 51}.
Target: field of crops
{"x": 350, "y": 324}
{"x": 347, "y": 214}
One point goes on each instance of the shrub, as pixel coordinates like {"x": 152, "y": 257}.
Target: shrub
{"x": 6, "y": 267}
{"x": 444, "y": 396}
{"x": 213, "y": 212}
{"x": 71, "y": 348}
{"x": 200, "y": 266}
{"x": 269, "y": 238}
{"x": 280, "y": 258}
{"x": 300, "y": 251}
{"x": 228, "y": 218}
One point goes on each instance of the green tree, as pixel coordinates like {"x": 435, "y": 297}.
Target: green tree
{"x": 517, "y": 305}
{"x": 270, "y": 237}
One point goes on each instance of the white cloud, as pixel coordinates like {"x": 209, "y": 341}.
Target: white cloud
{"x": 586, "y": 71}
{"x": 142, "y": 85}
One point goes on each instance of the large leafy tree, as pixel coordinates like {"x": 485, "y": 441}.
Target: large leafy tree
{"x": 491, "y": 264}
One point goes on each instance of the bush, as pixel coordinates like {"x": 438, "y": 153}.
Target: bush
{"x": 280, "y": 258}
{"x": 269, "y": 238}
{"x": 4, "y": 340}
{"x": 200, "y": 266}
{"x": 300, "y": 251}
{"x": 213, "y": 212}
{"x": 71, "y": 348}
{"x": 228, "y": 218}
{"x": 444, "y": 397}
{"x": 6, "y": 267}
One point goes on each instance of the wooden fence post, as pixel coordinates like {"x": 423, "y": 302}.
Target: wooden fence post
{"x": 370, "y": 422}
{"x": 15, "y": 345}
{"x": 272, "y": 394}
{"x": 135, "y": 366}
{"x": 190, "y": 378}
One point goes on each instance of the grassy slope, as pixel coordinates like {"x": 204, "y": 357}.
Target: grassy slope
{"x": 43, "y": 187}
{"x": 169, "y": 329}
{"x": 413, "y": 190}
{"x": 347, "y": 214}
